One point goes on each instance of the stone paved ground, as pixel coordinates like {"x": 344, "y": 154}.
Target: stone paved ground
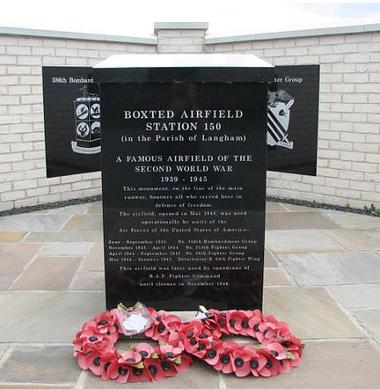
{"x": 322, "y": 275}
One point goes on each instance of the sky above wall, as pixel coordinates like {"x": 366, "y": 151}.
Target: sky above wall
{"x": 136, "y": 17}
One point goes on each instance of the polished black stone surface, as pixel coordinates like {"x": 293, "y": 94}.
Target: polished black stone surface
{"x": 72, "y": 137}
{"x": 182, "y": 233}
{"x": 293, "y": 119}
{"x": 296, "y": 137}
{"x": 184, "y": 74}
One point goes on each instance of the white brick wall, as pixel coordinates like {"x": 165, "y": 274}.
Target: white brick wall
{"x": 23, "y": 179}
{"x": 349, "y": 120}
{"x": 349, "y": 126}
{"x": 180, "y": 41}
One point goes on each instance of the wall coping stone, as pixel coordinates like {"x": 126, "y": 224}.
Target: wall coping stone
{"x": 77, "y": 36}
{"x": 209, "y": 40}
{"x": 356, "y": 29}
{"x": 180, "y": 26}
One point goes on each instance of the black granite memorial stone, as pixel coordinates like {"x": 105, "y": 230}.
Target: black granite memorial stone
{"x": 183, "y": 174}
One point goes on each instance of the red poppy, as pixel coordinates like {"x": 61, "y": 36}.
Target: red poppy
{"x": 284, "y": 365}
{"x": 194, "y": 326}
{"x": 95, "y": 337}
{"x": 283, "y": 332}
{"x": 90, "y": 340}
{"x": 253, "y": 326}
{"x": 238, "y": 322}
{"x": 119, "y": 372}
{"x": 154, "y": 369}
{"x": 267, "y": 332}
{"x": 106, "y": 321}
{"x": 107, "y": 359}
{"x": 240, "y": 362}
{"x": 163, "y": 324}
{"x": 98, "y": 364}
{"x": 183, "y": 363}
{"x": 202, "y": 346}
{"x": 256, "y": 360}
{"x": 272, "y": 365}
{"x": 275, "y": 349}
{"x": 168, "y": 368}
{"x": 224, "y": 363}
{"x": 144, "y": 349}
{"x": 291, "y": 343}
{"x": 190, "y": 335}
{"x": 130, "y": 358}
{"x": 212, "y": 355}
{"x": 176, "y": 344}
{"x": 84, "y": 359}
{"x": 217, "y": 323}
{"x": 138, "y": 375}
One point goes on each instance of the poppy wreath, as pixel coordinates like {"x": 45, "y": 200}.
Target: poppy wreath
{"x": 273, "y": 348}
{"x": 95, "y": 350}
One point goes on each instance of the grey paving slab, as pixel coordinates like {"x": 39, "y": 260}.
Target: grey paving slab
{"x": 275, "y": 276}
{"x": 197, "y": 377}
{"x": 96, "y": 208}
{"x": 94, "y": 260}
{"x": 36, "y": 386}
{"x": 86, "y": 280}
{"x": 14, "y": 256}
{"x": 47, "y": 273}
{"x": 6, "y": 279}
{"x": 15, "y": 222}
{"x": 44, "y": 317}
{"x": 356, "y": 267}
{"x": 271, "y": 206}
{"x": 76, "y": 249}
{"x": 3, "y": 348}
{"x": 13, "y": 236}
{"x": 84, "y": 223}
{"x": 270, "y": 259}
{"x": 79, "y": 209}
{"x": 27, "y": 222}
{"x": 64, "y": 236}
{"x": 298, "y": 241}
{"x": 356, "y": 239}
{"x": 311, "y": 312}
{"x": 353, "y": 220}
{"x": 356, "y": 296}
{"x": 298, "y": 220}
{"x": 300, "y": 208}
{"x": 47, "y": 222}
{"x": 370, "y": 320}
{"x": 40, "y": 364}
{"x": 325, "y": 365}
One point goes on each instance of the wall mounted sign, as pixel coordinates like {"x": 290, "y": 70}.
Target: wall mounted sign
{"x": 72, "y": 120}
{"x": 292, "y": 136}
